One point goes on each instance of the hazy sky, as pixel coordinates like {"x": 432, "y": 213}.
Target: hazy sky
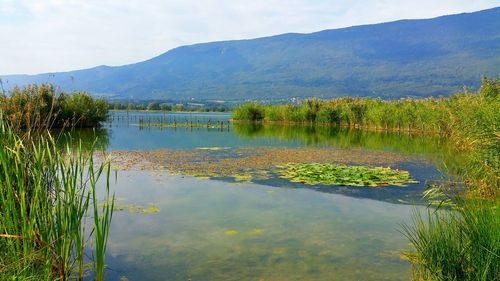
{"x": 58, "y": 35}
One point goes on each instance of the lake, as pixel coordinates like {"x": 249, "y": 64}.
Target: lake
{"x": 199, "y": 199}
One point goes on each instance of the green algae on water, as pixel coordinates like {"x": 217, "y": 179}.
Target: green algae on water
{"x": 244, "y": 164}
{"x": 231, "y": 232}
{"x": 133, "y": 208}
{"x": 339, "y": 174}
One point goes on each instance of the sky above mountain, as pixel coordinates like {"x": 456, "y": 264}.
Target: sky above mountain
{"x": 58, "y": 35}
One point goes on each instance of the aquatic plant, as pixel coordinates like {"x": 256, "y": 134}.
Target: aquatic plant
{"x": 338, "y": 174}
{"x": 131, "y": 208}
{"x": 458, "y": 244}
{"x": 102, "y": 222}
{"x": 44, "y": 198}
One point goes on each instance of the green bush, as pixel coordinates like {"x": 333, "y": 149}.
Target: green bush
{"x": 41, "y": 106}
{"x": 249, "y": 112}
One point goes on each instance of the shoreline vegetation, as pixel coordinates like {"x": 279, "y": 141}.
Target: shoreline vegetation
{"x": 43, "y": 107}
{"x": 52, "y": 192}
{"x": 51, "y": 221}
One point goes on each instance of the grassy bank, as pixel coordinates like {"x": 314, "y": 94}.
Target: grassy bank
{"x": 35, "y": 106}
{"x": 49, "y": 214}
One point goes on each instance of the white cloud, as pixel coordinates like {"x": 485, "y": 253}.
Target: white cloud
{"x": 57, "y": 35}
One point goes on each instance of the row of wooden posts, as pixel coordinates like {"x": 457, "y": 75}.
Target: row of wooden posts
{"x": 161, "y": 120}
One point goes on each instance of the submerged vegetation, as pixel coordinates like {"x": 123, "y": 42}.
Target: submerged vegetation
{"x": 34, "y": 106}
{"x": 45, "y": 198}
{"x": 332, "y": 174}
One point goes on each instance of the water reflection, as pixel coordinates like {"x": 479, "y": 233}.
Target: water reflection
{"x": 96, "y": 138}
{"x": 208, "y": 230}
{"x": 400, "y": 142}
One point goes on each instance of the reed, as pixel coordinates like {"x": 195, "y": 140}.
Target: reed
{"x": 36, "y": 107}
{"x": 458, "y": 244}
{"x": 102, "y": 222}
{"x": 45, "y": 196}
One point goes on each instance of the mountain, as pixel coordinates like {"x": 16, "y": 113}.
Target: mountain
{"x": 427, "y": 57}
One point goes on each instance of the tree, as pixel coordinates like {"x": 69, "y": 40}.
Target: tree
{"x": 153, "y": 106}
{"x": 179, "y": 107}
{"x": 166, "y": 107}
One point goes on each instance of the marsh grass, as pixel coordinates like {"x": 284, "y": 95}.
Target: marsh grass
{"x": 458, "y": 243}
{"x": 36, "y": 107}
{"x": 45, "y": 196}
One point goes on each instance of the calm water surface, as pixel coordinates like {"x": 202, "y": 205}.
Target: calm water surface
{"x": 220, "y": 230}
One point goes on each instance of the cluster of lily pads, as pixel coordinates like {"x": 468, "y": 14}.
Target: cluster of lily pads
{"x": 339, "y": 174}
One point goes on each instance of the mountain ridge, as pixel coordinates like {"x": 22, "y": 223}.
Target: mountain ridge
{"x": 410, "y": 57}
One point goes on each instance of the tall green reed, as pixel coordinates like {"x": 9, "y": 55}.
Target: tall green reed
{"x": 44, "y": 201}
{"x": 102, "y": 223}
{"x": 458, "y": 243}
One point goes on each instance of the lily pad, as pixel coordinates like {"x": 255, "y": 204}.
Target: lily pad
{"x": 339, "y": 174}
